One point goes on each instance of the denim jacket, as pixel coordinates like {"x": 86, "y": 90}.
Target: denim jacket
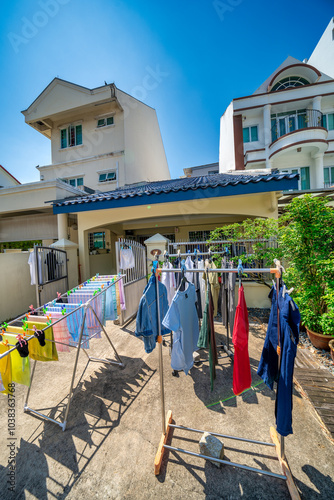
{"x": 147, "y": 316}
{"x": 269, "y": 369}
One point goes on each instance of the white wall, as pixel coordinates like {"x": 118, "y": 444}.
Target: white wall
{"x": 145, "y": 158}
{"x": 323, "y": 55}
{"x": 226, "y": 141}
{"x": 17, "y": 293}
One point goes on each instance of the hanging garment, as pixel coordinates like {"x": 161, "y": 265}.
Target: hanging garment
{"x": 147, "y": 316}
{"x": 127, "y": 258}
{"x": 182, "y": 319}
{"x": 198, "y": 292}
{"x": 36, "y": 351}
{"x": 242, "y": 378}
{"x": 2, "y": 387}
{"x": 214, "y": 283}
{"x": 189, "y": 265}
{"x": 207, "y": 336}
{"x": 60, "y": 332}
{"x": 177, "y": 265}
{"x": 168, "y": 279}
{"x": 5, "y": 369}
{"x": 32, "y": 265}
{"x": 20, "y": 367}
{"x": 51, "y": 262}
{"x": 269, "y": 369}
{"x": 111, "y": 304}
{"x": 200, "y": 265}
{"x": 122, "y": 295}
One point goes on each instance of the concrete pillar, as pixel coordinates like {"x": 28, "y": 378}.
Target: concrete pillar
{"x": 62, "y": 226}
{"x": 72, "y": 260}
{"x": 318, "y": 171}
{"x": 267, "y": 124}
{"x": 316, "y": 103}
{"x": 155, "y": 244}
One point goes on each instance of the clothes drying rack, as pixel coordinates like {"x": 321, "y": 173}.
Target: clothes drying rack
{"x": 278, "y": 443}
{"x": 197, "y": 253}
{"x": 105, "y": 283}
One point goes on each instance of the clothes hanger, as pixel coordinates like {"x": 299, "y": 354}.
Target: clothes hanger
{"x": 183, "y": 277}
{"x": 240, "y": 271}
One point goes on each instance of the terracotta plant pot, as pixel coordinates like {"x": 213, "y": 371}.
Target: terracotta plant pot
{"x": 331, "y": 347}
{"x": 319, "y": 340}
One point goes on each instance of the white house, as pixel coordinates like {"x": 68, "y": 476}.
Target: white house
{"x": 7, "y": 179}
{"x": 101, "y": 138}
{"x": 288, "y": 122}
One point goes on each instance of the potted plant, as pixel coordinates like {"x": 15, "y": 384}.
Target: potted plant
{"x": 307, "y": 240}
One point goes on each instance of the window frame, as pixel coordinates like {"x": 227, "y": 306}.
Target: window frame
{"x": 249, "y": 128}
{"x": 70, "y": 136}
{"x": 106, "y": 173}
{"x": 330, "y": 170}
{"x": 76, "y": 179}
{"x": 325, "y": 120}
{"x": 105, "y": 121}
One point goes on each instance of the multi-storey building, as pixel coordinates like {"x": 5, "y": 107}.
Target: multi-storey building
{"x": 102, "y": 138}
{"x": 288, "y": 122}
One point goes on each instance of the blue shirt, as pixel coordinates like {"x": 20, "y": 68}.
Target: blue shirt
{"x": 147, "y": 316}
{"x": 182, "y": 318}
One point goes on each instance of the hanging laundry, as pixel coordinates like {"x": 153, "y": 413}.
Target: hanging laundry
{"x": 242, "y": 378}
{"x": 207, "y": 336}
{"x": 36, "y": 351}
{"x": 200, "y": 265}
{"x": 189, "y": 265}
{"x": 147, "y": 316}
{"x": 2, "y": 387}
{"x": 127, "y": 258}
{"x": 111, "y": 304}
{"x": 122, "y": 295}
{"x": 32, "y": 264}
{"x": 177, "y": 265}
{"x": 270, "y": 369}
{"x": 197, "y": 284}
{"x": 214, "y": 283}
{"x": 168, "y": 279}
{"x": 5, "y": 369}
{"x": 182, "y": 319}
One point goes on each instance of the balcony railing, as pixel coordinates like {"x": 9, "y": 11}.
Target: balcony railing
{"x": 282, "y": 125}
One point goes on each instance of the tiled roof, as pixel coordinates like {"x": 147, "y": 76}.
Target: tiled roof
{"x": 174, "y": 189}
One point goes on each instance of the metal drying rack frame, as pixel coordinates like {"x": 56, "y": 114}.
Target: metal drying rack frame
{"x": 87, "y": 306}
{"x": 167, "y": 424}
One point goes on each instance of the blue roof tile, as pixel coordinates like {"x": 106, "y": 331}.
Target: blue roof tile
{"x": 180, "y": 185}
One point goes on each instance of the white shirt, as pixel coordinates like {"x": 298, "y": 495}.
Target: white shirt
{"x": 127, "y": 259}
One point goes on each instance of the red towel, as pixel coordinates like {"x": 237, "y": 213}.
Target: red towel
{"x": 242, "y": 378}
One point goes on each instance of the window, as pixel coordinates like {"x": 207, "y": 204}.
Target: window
{"x": 103, "y": 122}
{"x": 199, "y": 235}
{"x": 290, "y": 82}
{"x": 328, "y": 176}
{"x": 304, "y": 176}
{"x": 97, "y": 240}
{"x": 328, "y": 121}
{"x": 211, "y": 172}
{"x": 250, "y": 134}
{"x": 71, "y": 136}
{"x": 75, "y": 181}
{"x": 107, "y": 176}
{"x": 284, "y": 123}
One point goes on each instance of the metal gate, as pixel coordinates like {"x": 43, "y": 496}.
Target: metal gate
{"x": 135, "y": 278}
{"x": 51, "y": 276}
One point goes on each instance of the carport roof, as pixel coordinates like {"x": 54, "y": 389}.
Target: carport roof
{"x": 175, "y": 190}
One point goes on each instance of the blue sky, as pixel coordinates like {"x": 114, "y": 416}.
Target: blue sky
{"x": 206, "y": 53}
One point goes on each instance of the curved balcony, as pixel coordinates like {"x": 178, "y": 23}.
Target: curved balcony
{"x": 303, "y": 128}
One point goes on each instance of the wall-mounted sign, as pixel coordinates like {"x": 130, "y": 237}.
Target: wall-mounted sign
{"x": 156, "y": 251}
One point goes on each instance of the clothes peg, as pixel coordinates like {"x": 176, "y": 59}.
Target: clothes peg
{"x": 22, "y": 346}
{"x": 40, "y": 336}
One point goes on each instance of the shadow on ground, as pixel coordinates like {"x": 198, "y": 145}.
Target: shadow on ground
{"x": 96, "y": 409}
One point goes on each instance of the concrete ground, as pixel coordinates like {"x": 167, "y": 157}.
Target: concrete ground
{"x": 114, "y": 428}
